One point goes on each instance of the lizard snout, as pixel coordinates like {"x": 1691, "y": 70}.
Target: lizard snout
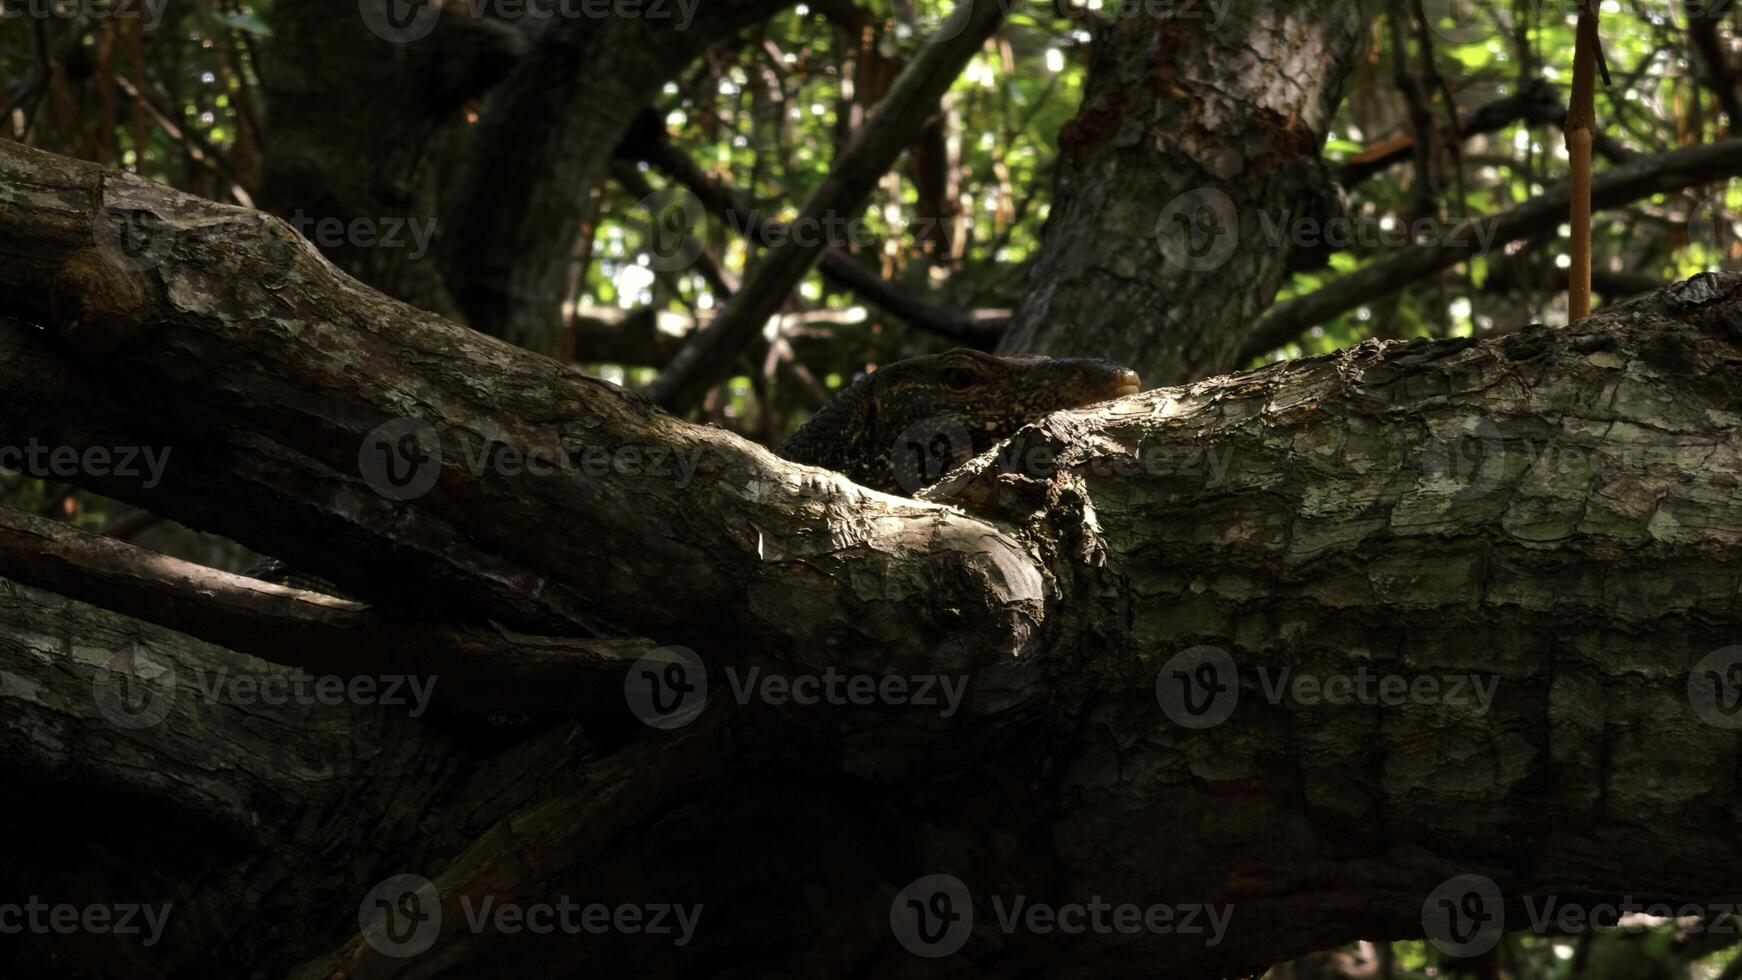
{"x": 1126, "y": 382}
{"x": 1090, "y": 379}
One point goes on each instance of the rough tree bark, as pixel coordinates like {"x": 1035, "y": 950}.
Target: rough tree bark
{"x": 505, "y": 195}
{"x": 385, "y": 158}
{"x": 1553, "y": 513}
{"x": 1189, "y": 130}
{"x": 543, "y": 145}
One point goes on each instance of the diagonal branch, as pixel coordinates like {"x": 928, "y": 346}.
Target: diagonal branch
{"x": 1538, "y": 103}
{"x": 898, "y": 118}
{"x": 1643, "y": 177}
{"x": 481, "y": 670}
{"x": 974, "y": 328}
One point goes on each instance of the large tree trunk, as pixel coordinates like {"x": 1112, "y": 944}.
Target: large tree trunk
{"x": 543, "y": 147}
{"x": 364, "y": 182}
{"x": 487, "y": 214}
{"x": 1552, "y": 516}
{"x": 1197, "y": 137}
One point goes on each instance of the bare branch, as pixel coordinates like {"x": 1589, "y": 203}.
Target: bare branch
{"x": 901, "y": 114}
{"x": 481, "y": 670}
{"x": 1643, "y": 177}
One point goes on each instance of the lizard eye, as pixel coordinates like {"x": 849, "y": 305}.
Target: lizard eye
{"x": 959, "y": 380}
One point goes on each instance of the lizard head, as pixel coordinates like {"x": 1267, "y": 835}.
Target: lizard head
{"x": 933, "y": 412}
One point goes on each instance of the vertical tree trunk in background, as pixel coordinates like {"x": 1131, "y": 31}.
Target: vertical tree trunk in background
{"x": 1195, "y": 139}
{"x": 544, "y": 144}
{"x": 359, "y": 127}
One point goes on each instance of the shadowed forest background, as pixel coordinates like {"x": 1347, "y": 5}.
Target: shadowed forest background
{"x": 685, "y": 200}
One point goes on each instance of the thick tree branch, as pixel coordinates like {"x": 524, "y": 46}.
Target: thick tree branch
{"x": 555, "y": 503}
{"x": 242, "y": 781}
{"x": 1548, "y": 520}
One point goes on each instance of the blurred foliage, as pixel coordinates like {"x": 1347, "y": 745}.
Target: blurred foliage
{"x": 765, "y": 114}
{"x": 1641, "y": 948}
{"x": 1485, "y": 51}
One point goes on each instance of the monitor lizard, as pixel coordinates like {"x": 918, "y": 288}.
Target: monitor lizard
{"x": 902, "y": 427}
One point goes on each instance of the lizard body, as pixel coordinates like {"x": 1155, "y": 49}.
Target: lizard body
{"x": 904, "y": 425}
